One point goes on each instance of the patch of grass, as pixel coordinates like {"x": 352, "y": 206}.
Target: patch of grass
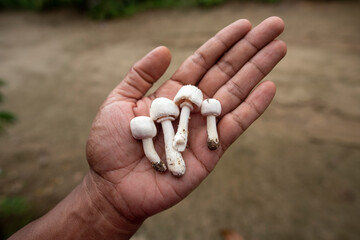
{"x": 6, "y": 117}
{"x": 105, "y": 9}
{"x": 14, "y": 214}
{"x": 39, "y": 4}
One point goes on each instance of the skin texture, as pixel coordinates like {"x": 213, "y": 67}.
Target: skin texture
{"x": 122, "y": 189}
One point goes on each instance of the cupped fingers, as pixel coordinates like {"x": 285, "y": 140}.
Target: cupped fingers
{"x": 233, "y": 124}
{"x": 240, "y": 53}
{"x": 238, "y": 87}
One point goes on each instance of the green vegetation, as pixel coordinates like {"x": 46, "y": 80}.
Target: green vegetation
{"x": 14, "y": 214}
{"x": 38, "y": 4}
{"x": 5, "y": 116}
{"x": 104, "y": 9}
{"x": 114, "y": 8}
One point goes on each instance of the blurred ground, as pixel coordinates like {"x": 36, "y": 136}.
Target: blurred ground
{"x": 295, "y": 174}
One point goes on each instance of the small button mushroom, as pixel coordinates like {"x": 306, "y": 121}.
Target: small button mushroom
{"x": 163, "y": 110}
{"x": 211, "y": 108}
{"x": 143, "y": 128}
{"x": 188, "y": 98}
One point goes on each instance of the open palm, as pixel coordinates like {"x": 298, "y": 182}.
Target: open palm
{"x": 228, "y": 67}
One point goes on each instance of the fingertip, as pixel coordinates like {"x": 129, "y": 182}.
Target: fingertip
{"x": 266, "y": 31}
{"x": 143, "y": 74}
{"x": 161, "y": 52}
{"x": 164, "y": 50}
{"x": 283, "y": 46}
{"x": 245, "y": 23}
{"x": 155, "y": 62}
{"x": 266, "y": 92}
{"x": 280, "y": 47}
{"x": 271, "y": 86}
{"x": 278, "y": 22}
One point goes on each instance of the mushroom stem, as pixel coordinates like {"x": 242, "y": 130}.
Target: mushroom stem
{"x": 213, "y": 138}
{"x": 181, "y": 136}
{"x": 174, "y": 159}
{"x": 152, "y": 155}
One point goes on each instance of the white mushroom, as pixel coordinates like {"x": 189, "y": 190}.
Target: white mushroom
{"x": 163, "y": 110}
{"x": 211, "y": 108}
{"x": 188, "y": 98}
{"x": 144, "y": 128}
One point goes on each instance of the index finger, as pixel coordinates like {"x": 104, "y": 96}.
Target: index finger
{"x": 195, "y": 66}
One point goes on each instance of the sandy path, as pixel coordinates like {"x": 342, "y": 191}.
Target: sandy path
{"x": 295, "y": 174}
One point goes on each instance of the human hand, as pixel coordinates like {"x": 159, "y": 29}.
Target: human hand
{"x": 228, "y": 67}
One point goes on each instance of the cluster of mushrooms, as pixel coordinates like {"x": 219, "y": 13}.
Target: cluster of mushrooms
{"x": 163, "y": 110}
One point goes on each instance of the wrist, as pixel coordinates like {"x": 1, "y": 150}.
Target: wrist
{"x": 110, "y": 223}
{"x": 84, "y": 214}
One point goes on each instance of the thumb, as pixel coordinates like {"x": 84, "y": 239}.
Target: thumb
{"x": 142, "y": 75}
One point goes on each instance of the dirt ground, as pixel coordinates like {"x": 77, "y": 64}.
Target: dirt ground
{"x": 295, "y": 174}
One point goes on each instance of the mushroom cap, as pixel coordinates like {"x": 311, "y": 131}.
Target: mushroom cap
{"x": 211, "y": 106}
{"x": 191, "y": 94}
{"x": 142, "y": 127}
{"x": 163, "y": 107}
